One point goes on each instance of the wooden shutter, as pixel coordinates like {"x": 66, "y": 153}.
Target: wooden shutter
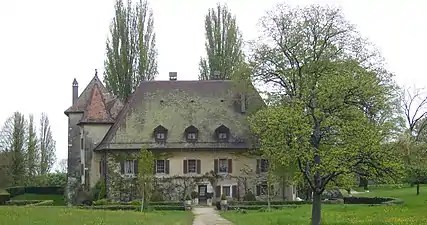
{"x": 234, "y": 191}
{"x": 218, "y": 191}
{"x": 185, "y": 167}
{"x": 216, "y": 165}
{"x": 258, "y": 190}
{"x": 230, "y": 166}
{"x": 155, "y": 167}
{"x": 122, "y": 167}
{"x": 167, "y": 166}
{"x": 199, "y": 166}
{"x": 258, "y": 165}
{"x": 135, "y": 166}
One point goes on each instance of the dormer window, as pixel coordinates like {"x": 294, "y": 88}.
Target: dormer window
{"x": 160, "y": 133}
{"x": 222, "y": 133}
{"x": 191, "y": 133}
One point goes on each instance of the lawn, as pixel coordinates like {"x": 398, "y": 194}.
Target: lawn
{"x": 67, "y": 216}
{"x": 413, "y": 212}
{"x": 57, "y": 199}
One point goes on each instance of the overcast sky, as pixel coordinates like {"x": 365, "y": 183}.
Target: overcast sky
{"x": 44, "y": 44}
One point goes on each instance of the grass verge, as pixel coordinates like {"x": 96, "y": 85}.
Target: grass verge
{"x": 67, "y": 216}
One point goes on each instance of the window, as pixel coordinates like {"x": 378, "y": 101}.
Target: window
{"x": 222, "y": 136}
{"x": 223, "y": 166}
{"x": 263, "y": 189}
{"x": 160, "y": 166}
{"x": 191, "y": 136}
{"x": 160, "y": 136}
{"x": 129, "y": 167}
{"x": 226, "y": 190}
{"x": 82, "y": 143}
{"x": 264, "y": 165}
{"x": 192, "y": 167}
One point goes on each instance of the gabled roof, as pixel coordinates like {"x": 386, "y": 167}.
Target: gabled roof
{"x": 96, "y": 110}
{"x": 177, "y": 105}
{"x": 96, "y": 103}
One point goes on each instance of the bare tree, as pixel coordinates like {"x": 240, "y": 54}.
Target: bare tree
{"x": 47, "y": 145}
{"x": 62, "y": 166}
{"x": 414, "y": 106}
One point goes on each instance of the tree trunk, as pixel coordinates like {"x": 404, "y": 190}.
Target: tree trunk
{"x": 418, "y": 188}
{"x": 316, "y": 208}
{"x": 363, "y": 182}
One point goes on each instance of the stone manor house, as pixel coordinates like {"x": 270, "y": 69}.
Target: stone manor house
{"x": 196, "y": 127}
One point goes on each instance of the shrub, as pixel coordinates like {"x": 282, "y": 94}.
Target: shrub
{"x": 42, "y": 203}
{"x": 4, "y": 197}
{"x": 260, "y": 207}
{"x": 156, "y": 197}
{"x": 264, "y": 203}
{"x": 98, "y": 191}
{"x": 23, "y": 202}
{"x": 101, "y": 202}
{"x": 133, "y": 207}
{"x": 194, "y": 194}
{"x": 223, "y": 197}
{"x": 249, "y": 196}
{"x": 371, "y": 201}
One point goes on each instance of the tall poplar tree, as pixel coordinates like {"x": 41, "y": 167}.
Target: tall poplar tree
{"x": 32, "y": 149}
{"x": 47, "y": 146}
{"x": 131, "y": 54}
{"x": 223, "y": 45}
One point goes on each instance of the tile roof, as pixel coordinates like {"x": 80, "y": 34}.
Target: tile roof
{"x": 179, "y": 104}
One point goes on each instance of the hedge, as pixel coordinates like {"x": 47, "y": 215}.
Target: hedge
{"x": 266, "y": 202}
{"x": 53, "y": 190}
{"x": 372, "y": 201}
{"x": 138, "y": 203}
{"x": 133, "y": 207}
{"x": 258, "y": 207}
{"x": 42, "y": 203}
{"x": 4, "y": 197}
{"x": 22, "y": 202}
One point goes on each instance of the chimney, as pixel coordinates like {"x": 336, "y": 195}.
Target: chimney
{"x": 173, "y": 75}
{"x": 242, "y": 102}
{"x": 216, "y": 75}
{"x": 75, "y": 91}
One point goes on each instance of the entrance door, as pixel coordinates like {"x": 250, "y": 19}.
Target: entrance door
{"x": 203, "y": 194}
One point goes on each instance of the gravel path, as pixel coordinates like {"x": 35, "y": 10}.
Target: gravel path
{"x": 208, "y": 216}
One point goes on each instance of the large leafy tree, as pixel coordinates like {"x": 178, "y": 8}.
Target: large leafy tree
{"x": 131, "y": 54}
{"x": 329, "y": 97}
{"x": 223, "y": 45}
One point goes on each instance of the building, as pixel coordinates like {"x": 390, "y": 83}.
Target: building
{"x": 194, "y": 128}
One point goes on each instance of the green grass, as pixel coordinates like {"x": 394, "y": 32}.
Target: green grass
{"x": 57, "y": 199}
{"x": 70, "y": 216}
{"x": 412, "y": 212}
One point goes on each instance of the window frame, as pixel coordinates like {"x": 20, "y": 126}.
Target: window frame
{"x": 157, "y": 166}
{"x": 163, "y": 134}
{"x": 229, "y": 190}
{"x": 263, "y": 165}
{"x": 188, "y": 165}
{"x": 129, "y": 165}
{"x": 226, "y": 165}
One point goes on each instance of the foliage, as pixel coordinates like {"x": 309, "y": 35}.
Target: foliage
{"x": 32, "y": 156}
{"x": 223, "y": 45}
{"x": 223, "y": 197}
{"x": 131, "y": 54}
{"x": 194, "y": 194}
{"x": 47, "y": 145}
{"x": 13, "y": 138}
{"x": 99, "y": 191}
{"x": 145, "y": 174}
{"x": 369, "y": 200}
{"x": 52, "y": 190}
{"x": 69, "y": 216}
{"x": 249, "y": 196}
{"x": 4, "y": 197}
{"x": 50, "y": 179}
{"x": 331, "y": 99}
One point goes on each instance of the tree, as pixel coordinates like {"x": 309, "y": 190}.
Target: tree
{"x": 62, "y": 166}
{"x": 131, "y": 54}
{"x": 413, "y": 142}
{"x": 223, "y": 45}
{"x": 325, "y": 81}
{"x": 145, "y": 178}
{"x": 47, "y": 145}
{"x": 32, "y": 152}
{"x": 13, "y": 138}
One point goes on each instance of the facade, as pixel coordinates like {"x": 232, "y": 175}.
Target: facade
{"x": 194, "y": 128}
